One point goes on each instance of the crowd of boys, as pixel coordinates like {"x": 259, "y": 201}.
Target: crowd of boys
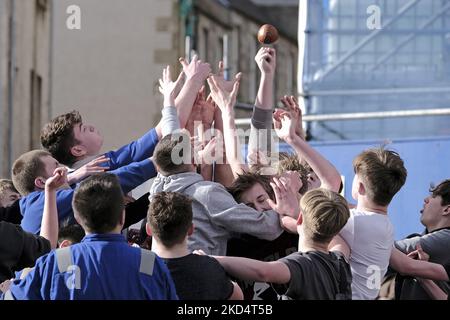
{"x": 214, "y": 226}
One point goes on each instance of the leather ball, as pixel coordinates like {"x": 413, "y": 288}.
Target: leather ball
{"x": 267, "y": 34}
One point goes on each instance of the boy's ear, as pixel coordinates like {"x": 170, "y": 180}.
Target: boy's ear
{"x": 78, "y": 151}
{"x": 148, "y": 229}
{"x": 191, "y": 230}
{"x": 65, "y": 243}
{"x": 361, "y": 189}
{"x": 447, "y": 210}
{"x": 39, "y": 182}
{"x": 300, "y": 218}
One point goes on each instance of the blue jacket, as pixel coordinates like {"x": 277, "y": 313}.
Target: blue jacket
{"x": 133, "y": 152}
{"x": 32, "y": 206}
{"x": 101, "y": 267}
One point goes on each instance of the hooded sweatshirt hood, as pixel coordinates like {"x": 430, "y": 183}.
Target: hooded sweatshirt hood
{"x": 175, "y": 183}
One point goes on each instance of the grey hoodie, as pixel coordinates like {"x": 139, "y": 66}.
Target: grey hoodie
{"x": 216, "y": 214}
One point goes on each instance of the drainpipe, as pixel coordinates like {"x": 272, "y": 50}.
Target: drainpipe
{"x": 50, "y": 61}
{"x": 11, "y": 81}
{"x": 2, "y": 111}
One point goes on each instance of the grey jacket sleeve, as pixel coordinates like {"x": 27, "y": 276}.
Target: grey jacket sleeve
{"x": 407, "y": 245}
{"x": 436, "y": 244}
{"x": 239, "y": 218}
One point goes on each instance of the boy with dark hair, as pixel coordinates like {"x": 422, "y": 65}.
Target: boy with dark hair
{"x": 252, "y": 189}
{"x": 8, "y": 193}
{"x": 89, "y": 270}
{"x": 435, "y": 216}
{"x": 58, "y": 137}
{"x": 313, "y": 272}
{"x": 33, "y": 168}
{"x": 70, "y": 234}
{"x": 70, "y": 141}
{"x": 169, "y": 221}
{"x": 379, "y": 175}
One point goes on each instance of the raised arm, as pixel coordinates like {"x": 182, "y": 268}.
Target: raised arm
{"x": 169, "y": 89}
{"x": 50, "y": 224}
{"x": 291, "y": 104}
{"x": 266, "y": 59}
{"x": 196, "y": 73}
{"x": 327, "y": 173}
{"x": 223, "y": 172}
{"x": 254, "y": 270}
{"x": 135, "y": 174}
{"x": 261, "y": 123}
{"x": 226, "y": 100}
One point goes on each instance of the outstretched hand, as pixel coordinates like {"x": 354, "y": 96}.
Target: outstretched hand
{"x": 168, "y": 88}
{"x": 286, "y": 202}
{"x": 227, "y": 85}
{"x": 94, "y": 166}
{"x": 224, "y": 99}
{"x": 196, "y": 69}
{"x": 284, "y": 125}
{"x": 292, "y": 105}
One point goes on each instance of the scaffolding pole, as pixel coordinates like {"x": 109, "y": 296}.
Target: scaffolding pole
{"x": 367, "y": 115}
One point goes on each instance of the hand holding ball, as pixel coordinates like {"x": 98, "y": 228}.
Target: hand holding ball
{"x": 267, "y": 34}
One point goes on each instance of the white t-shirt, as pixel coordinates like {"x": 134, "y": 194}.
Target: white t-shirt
{"x": 370, "y": 237}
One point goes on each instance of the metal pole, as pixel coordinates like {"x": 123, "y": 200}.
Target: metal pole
{"x": 50, "y": 60}
{"x": 303, "y": 8}
{"x": 187, "y": 48}
{"x": 2, "y": 111}
{"x": 358, "y": 92}
{"x": 367, "y": 115}
{"x": 226, "y": 65}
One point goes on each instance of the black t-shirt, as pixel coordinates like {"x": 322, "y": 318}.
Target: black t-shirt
{"x": 136, "y": 211}
{"x": 263, "y": 250}
{"x": 199, "y": 278}
{"x": 317, "y": 276}
{"x": 19, "y": 249}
